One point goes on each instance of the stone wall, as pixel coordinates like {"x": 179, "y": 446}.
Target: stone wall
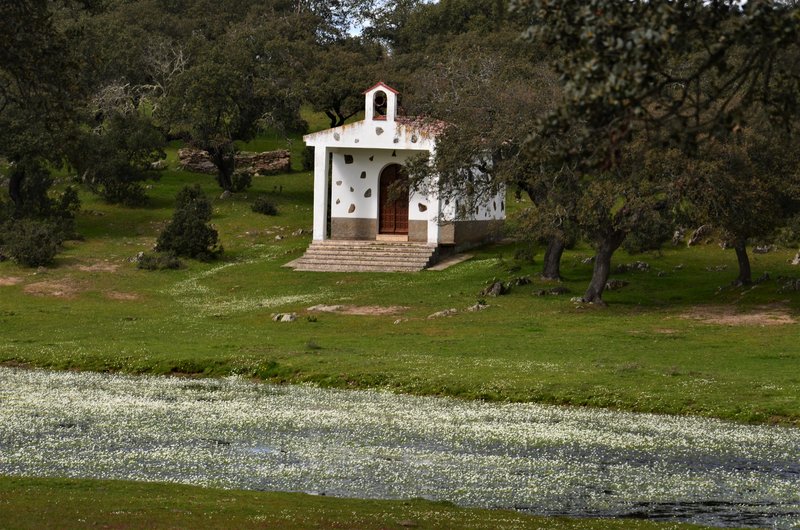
{"x": 266, "y": 163}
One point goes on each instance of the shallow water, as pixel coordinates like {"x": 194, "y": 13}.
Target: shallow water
{"x": 232, "y": 433}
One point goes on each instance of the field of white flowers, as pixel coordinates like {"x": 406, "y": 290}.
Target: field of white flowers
{"x": 234, "y": 433}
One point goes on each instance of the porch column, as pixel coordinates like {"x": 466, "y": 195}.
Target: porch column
{"x": 321, "y": 170}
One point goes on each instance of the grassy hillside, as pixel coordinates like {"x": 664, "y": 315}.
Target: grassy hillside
{"x": 675, "y": 340}
{"x": 74, "y": 503}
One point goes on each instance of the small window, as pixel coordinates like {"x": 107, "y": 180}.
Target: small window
{"x": 380, "y": 103}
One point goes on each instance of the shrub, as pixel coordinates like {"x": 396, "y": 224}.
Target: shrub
{"x": 263, "y": 205}
{"x": 240, "y": 181}
{"x": 30, "y": 242}
{"x": 308, "y": 159}
{"x": 156, "y": 261}
{"x": 188, "y": 234}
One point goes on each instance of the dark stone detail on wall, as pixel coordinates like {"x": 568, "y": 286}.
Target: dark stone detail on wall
{"x": 422, "y": 207}
{"x": 396, "y": 140}
{"x": 502, "y": 206}
{"x": 336, "y": 136}
{"x": 338, "y": 201}
{"x": 368, "y": 193}
{"x": 363, "y": 174}
{"x": 356, "y": 140}
{"x": 371, "y": 158}
{"x": 352, "y": 189}
{"x": 417, "y": 230}
{"x": 348, "y": 159}
{"x": 394, "y": 153}
{"x": 494, "y": 205}
{"x": 353, "y": 228}
{"x": 338, "y": 182}
{"x": 352, "y": 208}
{"x": 379, "y": 130}
{"x": 414, "y": 138}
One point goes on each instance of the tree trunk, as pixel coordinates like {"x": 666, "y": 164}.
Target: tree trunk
{"x": 15, "y": 188}
{"x": 333, "y": 117}
{"x": 224, "y": 159}
{"x": 602, "y": 267}
{"x": 551, "y": 269}
{"x": 745, "y": 274}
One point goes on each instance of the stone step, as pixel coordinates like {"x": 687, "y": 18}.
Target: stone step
{"x": 365, "y": 256}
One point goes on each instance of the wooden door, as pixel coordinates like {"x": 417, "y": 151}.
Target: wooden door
{"x": 393, "y": 209}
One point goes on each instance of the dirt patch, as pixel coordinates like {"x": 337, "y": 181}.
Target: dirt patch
{"x": 65, "y": 288}
{"x": 9, "y": 280}
{"x": 368, "y": 310}
{"x": 770, "y": 315}
{"x": 116, "y": 295}
{"x": 665, "y": 331}
{"x": 100, "y": 266}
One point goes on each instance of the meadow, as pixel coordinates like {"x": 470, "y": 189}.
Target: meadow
{"x": 678, "y": 339}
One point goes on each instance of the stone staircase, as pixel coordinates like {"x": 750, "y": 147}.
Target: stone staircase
{"x": 365, "y": 256}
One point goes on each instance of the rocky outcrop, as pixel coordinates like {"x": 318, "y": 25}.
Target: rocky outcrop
{"x": 266, "y": 163}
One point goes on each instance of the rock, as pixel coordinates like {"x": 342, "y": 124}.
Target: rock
{"x": 790, "y": 284}
{"x": 718, "y": 268}
{"x": 444, "y": 313}
{"x": 613, "y": 285}
{"x": 477, "y": 307}
{"x": 266, "y": 163}
{"x": 678, "y": 236}
{"x": 587, "y": 261}
{"x": 764, "y": 249}
{"x": 322, "y": 308}
{"x": 552, "y": 292}
{"x": 699, "y": 234}
{"x": 400, "y": 321}
{"x": 495, "y": 289}
{"x": 796, "y": 259}
{"x": 407, "y": 523}
{"x": 521, "y": 280}
{"x": 635, "y": 266}
{"x": 284, "y": 317}
{"x": 278, "y": 237}
{"x": 298, "y": 232}
{"x": 137, "y": 258}
{"x": 763, "y": 278}
{"x": 225, "y": 195}
{"x": 196, "y": 160}
{"x": 159, "y": 165}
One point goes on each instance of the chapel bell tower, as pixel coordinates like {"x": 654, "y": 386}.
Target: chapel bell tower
{"x": 380, "y": 103}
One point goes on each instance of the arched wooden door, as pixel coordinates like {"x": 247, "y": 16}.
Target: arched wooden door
{"x": 393, "y": 210}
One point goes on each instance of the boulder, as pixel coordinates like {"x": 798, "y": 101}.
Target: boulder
{"x": 796, "y": 259}
{"x": 266, "y": 163}
{"x": 444, "y": 313}
{"x": 495, "y": 289}
{"x": 196, "y": 160}
{"x": 284, "y": 317}
{"x": 698, "y": 235}
{"x": 613, "y": 285}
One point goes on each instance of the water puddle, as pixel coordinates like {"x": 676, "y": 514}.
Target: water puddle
{"x": 232, "y": 433}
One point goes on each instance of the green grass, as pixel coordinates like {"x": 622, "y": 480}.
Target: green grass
{"x": 95, "y": 311}
{"x": 73, "y": 503}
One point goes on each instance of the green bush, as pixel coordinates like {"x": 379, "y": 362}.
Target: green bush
{"x": 188, "y": 233}
{"x": 240, "y": 181}
{"x": 308, "y": 159}
{"x": 30, "y": 242}
{"x": 156, "y": 261}
{"x": 265, "y": 206}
